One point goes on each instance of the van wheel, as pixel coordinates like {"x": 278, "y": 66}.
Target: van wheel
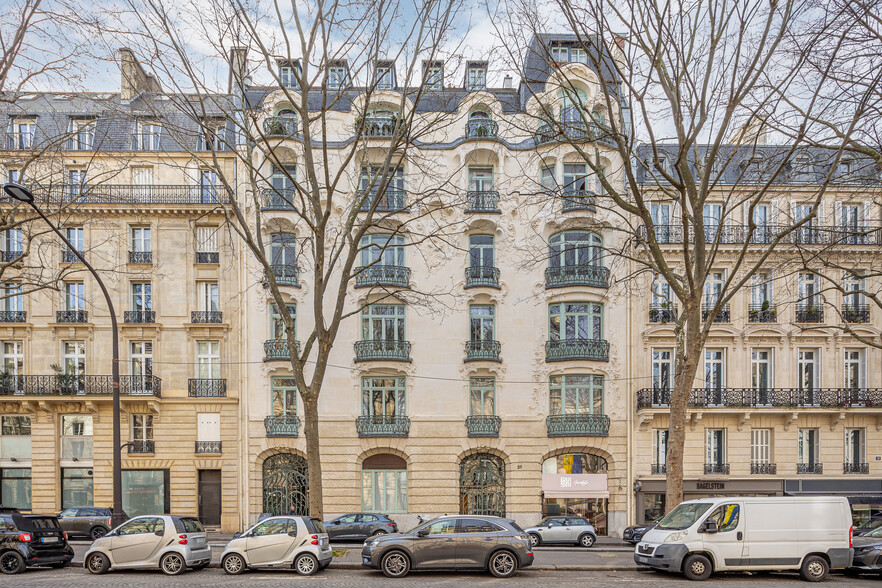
{"x": 172, "y": 564}
{"x": 395, "y": 564}
{"x": 503, "y": 564}
{"x": 11, "y": 563}
{"x": 233, "y": 564}
{"x": 97, "y": 533}
{"x": 306, "y": 564}
{"x": 535, "y": 540}
{"x": 587, "y": 540}
{"x": 814, "y": 568}
{"x": 697, "y": 567}
{"x": 98, "y": 563}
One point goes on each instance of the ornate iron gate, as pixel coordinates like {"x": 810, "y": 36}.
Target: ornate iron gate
{"x": 285, "y": 484}
{"x": 482, "y": 485}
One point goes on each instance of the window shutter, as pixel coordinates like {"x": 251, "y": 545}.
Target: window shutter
{"x": 208, "y": 426}
{"x": 822, "y": 219}
{"x": 206, "y": 239}
{"x": 865, "y": 214}
{"x": 863, "y": 368}
{"x": 745, "y": 213}
{"x": 792, "y": 212}
{"x": 837, "y": 213}
{"x": 773, "y": 216}
{"x": 708, "y": 434}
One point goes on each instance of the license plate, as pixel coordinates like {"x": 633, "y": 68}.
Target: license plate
{"x": 642, "y": 559}
{"x": 323, "y": 541}
{"x": 49, "y": 539}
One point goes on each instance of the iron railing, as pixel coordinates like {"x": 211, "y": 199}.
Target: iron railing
{"x": 207, "y": 388}
{"x": 482, "y": 275}
{"x": 482, "y": 350}
{"x": 78, "y": 385}
{"x": 9, "y": 256}
{"x": 382, "y": 426}
{"x": 763, "y": 468}
{"x": 139, "y": 316}
{"x": 594, "y": 276}
{"x": 380, "y": 126}
{"x": 72, "y": 316}
{"x": 277, "y": 199}
{"x": 396, "y": 276}
{"x": 575, "y": 200}
{"x": 286, "y": 274}
{"x": 577, "y": 425}
{"x": 658, "y": 469}
{"x": 68, "y": 256}
{"x": 382, "y": 349}
{"x": 716, "y": 469}
{"x": 207, "y": 316}
{"x": 580, "y": 349}
{"x": 209, "y": 447}
{"x": 762, "y": 313}
{"x": 142, "y": 446}
{"x": 855, "y": 468}
{"x": 482, "y": 201}
{"x": 282, "y": 425}
{"x": 481, "y": 129}
{"x": 13, "y": 316}
{"x": 392, "y": 200}
{"x": 131, "y": 194}
{"x": 278, "y": 349}
{"x": 856, "y": 313}
{"x": 207, "y": 257}
{"x": 280, "y": 126}
{"x": 732, "y": 234}
{"x": 483, "y": 425}
{"x": 809, "y": 314}
{"x": 145, "y": 257}
{"x": 662, "y": 313}
{"x": 724, "y": 316}
{"x": 573, "y": 131}
{"x": 809, "y": 468}
{"x": 766, "y": 398}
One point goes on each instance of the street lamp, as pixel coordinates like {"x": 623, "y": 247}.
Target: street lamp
{"x": 23, "y": 194}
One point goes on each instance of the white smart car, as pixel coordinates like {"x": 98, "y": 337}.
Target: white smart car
{"x": 277, "y": 542}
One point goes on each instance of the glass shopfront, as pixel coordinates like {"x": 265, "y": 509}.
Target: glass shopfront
{"x": 575, "y": 484}
{"x": 76, "y": 487}
{"x": 651, "y": 500}
{"x": 145, "y": 492}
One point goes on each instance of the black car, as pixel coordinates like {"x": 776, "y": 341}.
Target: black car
{"x": 867, "y": 552}
{"x": 360, "y": 525}
{"x": 634, "y": 533}
{"x": 32, "y": 540}
{"x": 867, "y": 526}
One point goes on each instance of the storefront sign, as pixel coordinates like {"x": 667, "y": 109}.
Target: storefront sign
{"x": 575, "y": 485}
{"x": 710, "y": 486}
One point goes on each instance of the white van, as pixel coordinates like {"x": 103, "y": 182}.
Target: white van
{"x": 811, "y": 534}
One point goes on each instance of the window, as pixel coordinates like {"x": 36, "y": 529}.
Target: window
{"x": 208, "y": 182}
{"x": 576, "y": 394}
{"x": 572, "y": 103}
{"x": 445, "y": 527}
{"x": 761, "y": 298}
{"x": 141, "y": 240}
{"x": 852, "y": 222}
{"x": 13, "y": 359}
{"x": 208, "y": 426}
{"x": 142, "y": 296}
{"x": 208, "y": 299}
{"x": 76, "y": 437}
{"x": 372, "y": 179}
{"x": 762, "y": 218}
{"x": 434, "y": 77}
{"x": 288, "y": 78}
{"x": 74, "y": 296}
{"x": 855, "y": 447}
{"x": 481, "y": 251}
{"x": 661, "y": 293}
{"x": 383, "y": 484}
{"x": 575, "y": 178}
{"x": 477, "y": 77}
{"x": 142, "y": 526}
{"x": 574, "y": 249}
{"x": 808, "y": 369}
{"x": 75, "y": 237}
{"x": 760, "y": 446}
{"x": 76, "y": 185}
{"x": 206, "y": 245}
{"x": 11, "y": 244}
{"x": 855, "y": 369}
{"x": 809, "y": 446}
{"x": 385, "y": 77}
{"x": 574, "y": 321}
{"x": 480, "y": 179}
{"x": 15, "y": 488}
{"x": 482, "y": 396}
{"x": 809, "y": 291}
{"x": 15, "y": 437}
{"x": 283, "y": 179}
{"x": 713, "y": 220}
{"x": 715, "y": 369}
{"x": 337, "y": 77}
{"x": 284, "y": 397}
{"x": 481, "y": 322}
{"x": 803, "y": 171}
{"x": 76, "y": 487}
{"x": 726, "y": 516}
{"x": 142, "y": 432}
{"x": 13, "y": 300}
{"x": 661, "y": 220}
{"x": 713, "y": 289}
{"x": 208, "y": 360}
{"x": 382, "y": 397}
{"x": 277, "y": 323}
{"x": 807, "y": 232}
{"x": 547, "y": 179}
{"x": 147, "y": 136}
{"x": 212, "y": 137}
{"x": 383, "y": 322}
{"x": 662, "y": 369}
{"x": 660, "y": 448}
{"x": 382, "y": 249}
{"x": 21, "y": 133}
{"x": 853, "y": 300}
{"x": 716, "y": 447}
{"x": 141, "y": 357}
{"x": 74, "y": 357}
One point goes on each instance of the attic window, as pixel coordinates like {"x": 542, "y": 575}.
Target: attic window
{"x": 287, "y": 77}
{"x": 385, "y": 78}
{"x": 477, "y": 78}
{"x": 568, "y": 53}
{"x": 434, "y": 78}
{"x": 336, "y": 77}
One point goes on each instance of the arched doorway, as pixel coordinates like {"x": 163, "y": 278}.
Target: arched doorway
{"x": 285, "y": 484}
{"x": 482, "y": 485}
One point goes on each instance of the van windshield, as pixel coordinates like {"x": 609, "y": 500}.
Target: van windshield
{"x": 683, "y": 516}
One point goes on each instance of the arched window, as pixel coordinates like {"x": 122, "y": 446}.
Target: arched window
{"x": 384, "y": 483}
{"x": 575, "y": 248}
{"x": 572, "y": 102}
{"x": 480, "y": 124}
{"x": 285, "y": 485}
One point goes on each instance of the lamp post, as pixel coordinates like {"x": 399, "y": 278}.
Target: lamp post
{"x": 23, "y": 194}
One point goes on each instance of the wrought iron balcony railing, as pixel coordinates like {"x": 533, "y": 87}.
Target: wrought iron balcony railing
{"x": 13, "y": 316}
{"x": 209, "y": 447}
{"x": 482, "y": 201}
{"x": 380, "y": 126}
{"x": 395, "y": 276}
{"x": 763, "y": 468}
{"x": 716, "y": 469}
{"x": 577, "y": 425}
{"x": 10, "y": 256}
{"x": 286, "y": 274}
{"x": 145, "y": 257}
{"x": 662, "y": 313}
{"x": 207, "y": 316}
{"x": 392, "y": 200}
{"x": 856, "y": 313}
{"x": 382, "y": 426}
{"x": 762, "y": 313}
{"x": 809, "y": 468}
{"x": 732, "y": 234}
{"x": 482, "y": 350}
{"x": 482, "y": 275}
{"x": 142, "y": 446}
{"x": 483, "y": 425}
{"x": 131, "y": 194}
{"x": 282, "y": 425}
{"x": 481, "y": 129}
{"x": 68, "y": 256}
{"x": 139, "y": 316}
{"x": 809, "y": 314}
{"x": 658, "y": 469}
{"x": 579, "y": 349}
{"x": 855, "y": 468}
{"x": 766, "y": 398}
{"x": 724, "y": 316}
{"x": 207, "y": 257}
{"x": 207, "y": 388}
{"x": 573, "y": 131}
{"x": 593, "y": 276}
{"x": 575, "y": 200}
{"x": 277, "y": 199}
{"x": 382, "y": 349}
{"x": 78, "y": 385}
{"x": 280, "y": 126}
{"x": 72, "y": 316}
{"x": 278, "y": 349}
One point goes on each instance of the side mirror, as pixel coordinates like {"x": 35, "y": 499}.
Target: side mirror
{"x": 422, "y": 533}
{"x": 336, "y": 522}
{"x": 237, "y": 535}
{"x": 709, "y": 527}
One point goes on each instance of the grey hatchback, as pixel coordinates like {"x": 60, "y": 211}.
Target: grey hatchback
{"x": 460, "y": 542}
{"x": 89, "y": 521}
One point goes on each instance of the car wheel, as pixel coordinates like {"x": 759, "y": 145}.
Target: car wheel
{"x": 503, "y": 564}
{"x": 395, "y": 564}
{"x": 306, "y": 564}
{"x": 97, "y": 563}
{"x": 697, "y": 567}
{"x": 11, "y": 563}
{"x": 535, "y": 540}
{"x": 97, "y": 533}
{"x": 378, "y": 532}
{"x": 172, "y": 564}
{"x": 587, "y": 540}
{"x": 814, "y": 568}
{"x": 233, "y": 564}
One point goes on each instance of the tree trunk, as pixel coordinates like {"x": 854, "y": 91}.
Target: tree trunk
{"x": 313, "y": 456}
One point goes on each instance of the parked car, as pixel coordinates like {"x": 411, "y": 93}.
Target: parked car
{"x": 278, "y": 542}
{"x": 811, "y": 534}
{"x": 867, "y": 526}
{"x": 867, "y": 552}
{"x": 452, "y": 543}
{"x": 8, "y": 509}
{"x": 86, "y": 521}
{"x": 634, "y": 533}
{"x": 360, "y": 526}
{"x": 570, "y": 530}
{"x": 170, "y": 543}
{"x": 32, "y": 540}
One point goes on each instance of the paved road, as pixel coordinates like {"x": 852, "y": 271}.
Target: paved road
{"x": 331, "y": 578}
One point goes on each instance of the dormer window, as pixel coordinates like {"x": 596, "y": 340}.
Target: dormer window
{"x": 286, "y": 77}
{"x": 212, "y": 137}
{"x": 82, "y": 134}
{"x": 21, "y": 133}
{"x": 803, "y": 171}
{"x": 434, "y": 75}
{"x": 338, "y": 77}
{"x": 385, "y": 76}
{"x": 568, "y": 53}
{"x": 147, "y": 136}
{"x": 476, "y": 77}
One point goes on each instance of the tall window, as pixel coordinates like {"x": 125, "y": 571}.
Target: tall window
{"x": 760, "y": 446}
{"x": 662, "y": 369}
{"x": 208, "y": 360}
{"x": 852, "y": 223}
{"x": 76, "y": 238}
{"x": 853, "y": 299}
{"x": 480, "y": 179}
{"x": 142, "y": 296}
{"x": 481, "y": 251}
{"x": 208, "y": 183}
{"x": 477, "y": 78}
{"x": 141, "y": 357}
{"x": 660, "y": 448}
{"x": 76, "y": 437}
{"x": 287, "y": 77}
{"x": 206, "y": 243}
{"x": 482, "y": 322}
{"x": 547, "y": 179}
{"x": 382, "y": 249}
{"x": 141, "y": 242}
{"x": 761, "y": 369}
{"x": 806, "y": 233}
{"x": 337, "y": 77}
{"x": 808, "y": 369}
{"x": 809, "y": 446}
{"x": 575, "y": 178}
{"x": 383, "y": 397}
{"x": 74, "y": 357}
{"x": 383, "y": 322}
{"x": 283, "y": 249}
{"x": 76, "y": 181}
{"x": 716, "y": 447}
{"x": 147, "y": 136}
{"x": 142, "y": 429}
{"x": 855, "y": 447}
{"x": 11, "y": 242}
{"x": 576, "y": 394}
{"x": 713, "y": 219}
{"x": 208, "y": 296}
{"x": 434, "y": 77}
{"x": 575, "y": 320}
{"x": 809, "y": 290}
{"x": 283, "y": 179}
{"x": 76, "y": 487}
{"x": 13, "y": 358}
{"x": 714, "y": 369}
{"x": 15, "y": 487}
{"x": 74, "y": 296}
{"x": 13, "y": 300}
{"x": 482, "y": 396}
{"x": 761, "y": 291}
{"x": 713, "y": 288}
{"x": 855, "y": 369}
{"x": 661, "y": 293}
{"x": 385, "y": 78}
{"x": 15, "y": 437}
{"x": 575, "y": 248}
{"x": 284, "y": 397}
{"x": 277, "y": 324}
{"x": 21, "y": 133}
{"x": 383, "y": 485}
{"x": 762, "y": 218}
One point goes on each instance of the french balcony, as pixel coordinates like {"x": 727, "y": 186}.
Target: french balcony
{"x": 286, "y": 274}
{"x": 19, "y": 140}
{"x": 663, "y": 313}
{"x": 209, "y": 447}
{"x": 144, "y": 257}
{"x": 763, "y": 469}
{"x": 78, "y": 385}
{"x": 72, "y": 316}
{"x": 10, "y": 256}
{"x": 733, "y": 234}
{"x": 207, "y": 316}
{"x": 280, "y": 126}
{"x": 278, "y": 349}
{"x": 394, "y": 276}
{"x": 576, "y": 200}
{"x": 809, "y": 314}
{"x": 716, "y": 469}
{"x": 855, "y": 468}
{"x": 392, "y": 200}
{"x": 139, "y": 316}
{"x": 68, "y": 256}
{"x": 382, "y": 426}
{"x": 382, "y": 350}
{"x": 477, "y": 276}
{"x": 593, "y": 276}
{"x": 482, "y": 350}
{"x": 577, "y": 349}
{"x": 142, "y": 446}
{"x": 577, "y": 425}
{"x": 277, "y": 199}
{"x": 483, "y": 425}
{"x": 772, "y": 398}
{"x": 134, "y": 194}
{"x": 762, "y": 313}
{"x": 482, "y": 201}
{"x": 723, "y": 316}
{"x": 13, "y": 316}
{"x": 207, "y": 388}
{"x": 380, "y": 126}
{"x": 856, "y": 313}
{"x": 207, "y": 257}
{"x": 282, "y": 425}
{"x": 658, "y": 469}
{"x": 481, "y": 129}
{"x": 809, "y": 468}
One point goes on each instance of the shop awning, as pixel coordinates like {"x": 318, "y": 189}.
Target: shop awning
{"x": 575, "y": 486}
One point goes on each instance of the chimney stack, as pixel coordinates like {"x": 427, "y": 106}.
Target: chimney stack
{"x": 506, "y": 82}
{"x": 238, "y": 77}
{"x": 133, "y": 79}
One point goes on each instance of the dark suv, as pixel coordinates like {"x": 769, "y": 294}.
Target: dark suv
{"x": 460, "y": 542}
{"x": 86, "y": 521}
{"x": 360, "y": 526}
{"x": 32, "y": 540}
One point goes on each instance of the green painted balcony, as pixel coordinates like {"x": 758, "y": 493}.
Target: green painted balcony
{"x": 382, "y": 426}
{"x": 278, "y": 349}
{"x": 577, "y": 349}
{"x": 593, "y": 276}
{"x": 482, "y": 350}
{"x": 481, "y": 425}
{"x": 577, "y": 425}
{"x": 382, "y": 350}
{"x": 395, "y": 276}
{"x": 282, "y": 425}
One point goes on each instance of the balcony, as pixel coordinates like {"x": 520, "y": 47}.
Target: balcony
{"x": 78, "y": 385}
{"x": 481, "y": 129}
{"x": 482, "y": 275}
{"x": 68, "y": 256}
{"x": 209, "y": 447}
{"x": 286, "y": 274}
{"x": 139, "y": 316}
{"x": 662, "y": 313}
{"x": 716, "y": 469}
{"x": 207, "y": 388}
{"x": 130, "y": 194}
{"x": 732, "y": 234}
{"x": 392, "y": 200}
{"x": 576, "y": 200}
{"x": 145, "y": 257}
{"x": 577, "y": 425}
{"x": 142, "y": 446}
{"x": 482, "y": 201}
{"x": 855, "y": 468}
{"x": 483, "y": 425}
{"x": 809, "y": 468}
{"x": 762, "y": 313}
{"x": 658, "y": 469}
{"x": 382, "y": 426}
{"x": 379, "y": 126}
{"x": 13, "y": 316}
{"x": 278, "y": 349}
{"x": 724, "y": 316}
{"x": 282, "y": 425}
{"x": 280, "y": 126}
{"x": 577, "y": 349}
{"x": 763, "y": 469}
{"x": 207, "y": 257}
{"x": 382, "y": 349}
{"x": 207, "y": 316}
{"x": 72, "y": 316}
{"x": 593, "y": 276}
{"x": 809, "y": 314}
{"x": 395, "y": 276}
{"x": 780, "y": 398}
{"x": 575, "y": 131}
{"x": 277, "y": 199}
{"x": 856, "y": 313}
{"x": 10, "y": 256}
{"x": 482, "y": 350}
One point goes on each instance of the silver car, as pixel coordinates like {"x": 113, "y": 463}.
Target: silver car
{"x": 569, "y": 530}
{"x": 170, "y": 543}
{"x": 278, "y": 542}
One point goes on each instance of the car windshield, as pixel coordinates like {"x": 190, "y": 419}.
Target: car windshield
{"x": 420, "y": 526}
{"x": 683, "y": 516}
{"x": 877, "y": 532}
{"x": 871, "y": 524}
{"x": 315, "y": 526}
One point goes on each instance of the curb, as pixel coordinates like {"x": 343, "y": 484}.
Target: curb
{"x": 543, "y": 568}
